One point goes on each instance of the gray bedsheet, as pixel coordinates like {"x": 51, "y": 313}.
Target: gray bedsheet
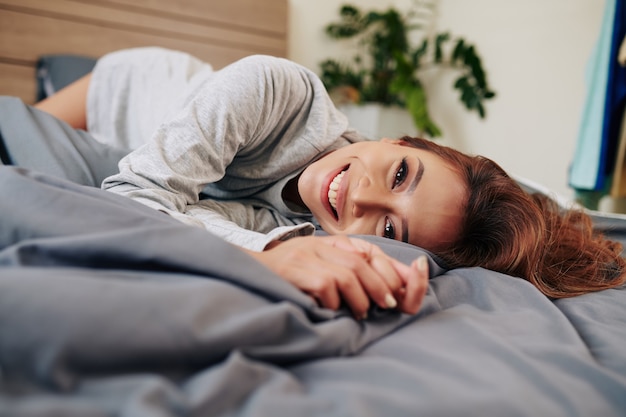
{"x": 108, "y": 308}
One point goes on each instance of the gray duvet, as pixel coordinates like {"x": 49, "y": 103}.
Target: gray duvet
{"x": 109, "y": 308}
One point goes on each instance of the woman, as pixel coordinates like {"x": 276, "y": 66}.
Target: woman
{"x": 253, "y": 151}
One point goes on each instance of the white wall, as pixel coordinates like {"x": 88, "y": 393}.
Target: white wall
{"x": 535, "y": 53}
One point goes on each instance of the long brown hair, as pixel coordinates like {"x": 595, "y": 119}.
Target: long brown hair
{"x": 508, "y": 230}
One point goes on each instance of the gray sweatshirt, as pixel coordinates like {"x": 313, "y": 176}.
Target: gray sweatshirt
{"x": 218, "y": 146}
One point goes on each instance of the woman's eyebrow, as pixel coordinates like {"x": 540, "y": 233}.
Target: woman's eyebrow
{"x": 418, "y": 176}
{"x": 416, "y": 180}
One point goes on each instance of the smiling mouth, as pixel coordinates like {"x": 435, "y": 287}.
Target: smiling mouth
{"x": 332, "y": 191}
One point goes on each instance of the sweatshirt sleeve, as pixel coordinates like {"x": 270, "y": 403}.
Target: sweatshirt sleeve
{"x": 233, "y": 113}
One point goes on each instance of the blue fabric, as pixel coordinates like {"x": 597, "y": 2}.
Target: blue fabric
{"x": 586, "y": 166}
{"x": 615, "y": 98}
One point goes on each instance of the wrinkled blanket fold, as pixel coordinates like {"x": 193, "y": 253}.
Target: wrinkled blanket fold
{"x": 109, "y": 308}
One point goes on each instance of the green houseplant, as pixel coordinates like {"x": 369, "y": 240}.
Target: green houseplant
{"x": 387, "y": 68}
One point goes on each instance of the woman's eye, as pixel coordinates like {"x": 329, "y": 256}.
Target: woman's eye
{"x": 401, "y": 173}
{"x": 390, "y": 231}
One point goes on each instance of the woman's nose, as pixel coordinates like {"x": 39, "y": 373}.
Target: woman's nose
{"x": 366, "y": 197}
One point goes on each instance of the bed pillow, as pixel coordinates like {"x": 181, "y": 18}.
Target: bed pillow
{"x": 57, "y": 71}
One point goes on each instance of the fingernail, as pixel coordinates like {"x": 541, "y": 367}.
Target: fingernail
{"x": 422, "y": 263}
{"x": 390, "y": 301}
{"x": 363, "y": 316}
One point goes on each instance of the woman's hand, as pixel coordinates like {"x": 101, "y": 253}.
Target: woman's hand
{"x": 336, "y": 268}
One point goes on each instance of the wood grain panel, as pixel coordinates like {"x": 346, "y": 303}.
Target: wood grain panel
{"x": 18, "y": 80}
{"x": 26, "y": 37}
{"x": 134, "y": 21}
{"x": 269, "y": 16}
{"x": 216, "y": 31}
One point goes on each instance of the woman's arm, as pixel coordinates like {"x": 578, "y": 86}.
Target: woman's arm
{"x": 246, "y": 111}
{"x": 69, "y": 104}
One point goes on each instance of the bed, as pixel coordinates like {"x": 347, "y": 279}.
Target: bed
{"x": 110, "y": 308}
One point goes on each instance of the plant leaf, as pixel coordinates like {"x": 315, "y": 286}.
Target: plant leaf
{"x": 461, "y": 83}
{"x": 419, "y": 53}
{"x": 439, "y": 40}
{"x": 458, "y": 51}
{"x": 418, "y": 108}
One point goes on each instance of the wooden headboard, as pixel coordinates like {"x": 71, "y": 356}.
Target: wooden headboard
{"x": 217, "y": 31}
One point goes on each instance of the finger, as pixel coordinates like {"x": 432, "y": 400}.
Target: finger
{"x": 417, "y": 286}
{"x": 330, "y": 277}
{"x": 357, "y": 282}
{"x": 368, "y": 279}
{"x": 344, "y": 281}
{"x": 351, "y": 245}
{"x": 391, "y": 270}
{"x": 332, "y": 283}
{"x": 311, "y": 275}
{"x": 403, "y": 270}
{"x": 310, "y": 265}
{"x": 320, "y": 284}
{"x": 384, "y": 265}
{"x": 365, "y": 248}
{"x": 353, "y": 293}
{"x": 328, "y": 296}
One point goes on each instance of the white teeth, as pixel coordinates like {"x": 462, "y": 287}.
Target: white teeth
{"x": 332, "y": 190}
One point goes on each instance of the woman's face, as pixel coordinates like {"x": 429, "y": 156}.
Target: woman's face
{"x": 388, "y": 189}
